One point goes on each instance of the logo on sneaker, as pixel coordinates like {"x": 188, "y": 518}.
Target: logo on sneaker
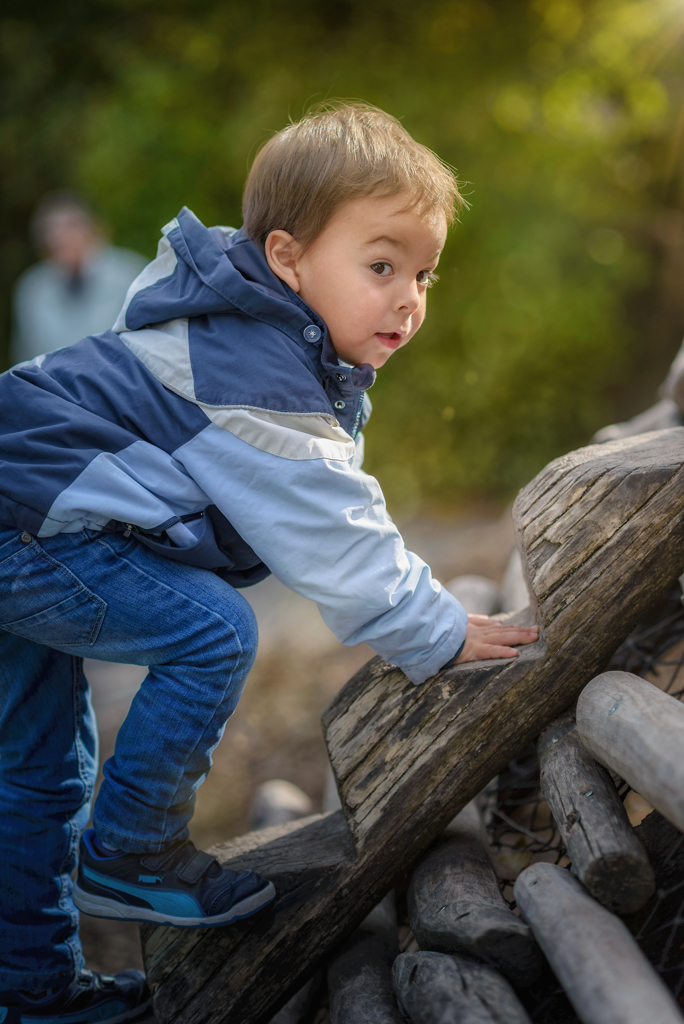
{"x": 150, "y": 879}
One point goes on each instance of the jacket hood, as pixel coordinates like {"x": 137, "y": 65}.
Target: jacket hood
{"x": 201, "y": 271}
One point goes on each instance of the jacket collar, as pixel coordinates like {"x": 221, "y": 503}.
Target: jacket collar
{"x": 239, "y": 272}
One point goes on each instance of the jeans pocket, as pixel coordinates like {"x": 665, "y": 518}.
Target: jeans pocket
{"x": 42, "y": 600}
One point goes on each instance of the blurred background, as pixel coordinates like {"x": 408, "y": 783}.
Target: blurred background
{"x": 560, "y": 304}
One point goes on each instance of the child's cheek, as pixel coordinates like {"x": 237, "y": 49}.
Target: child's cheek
{"x": 419, "y": 316}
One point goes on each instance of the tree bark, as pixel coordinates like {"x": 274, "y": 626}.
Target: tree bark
{"x": 606, "y": 855}
{"x": 605, "y": 975}
{"x": 601, "y": 537}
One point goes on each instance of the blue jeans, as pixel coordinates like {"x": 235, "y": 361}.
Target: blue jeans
{"x": 107, "y": 597}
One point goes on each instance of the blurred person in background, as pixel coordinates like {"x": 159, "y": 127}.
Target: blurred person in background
{"x": 80, "y": 285}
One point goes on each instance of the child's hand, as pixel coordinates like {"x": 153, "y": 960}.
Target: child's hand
{"x": 490, "y": 638}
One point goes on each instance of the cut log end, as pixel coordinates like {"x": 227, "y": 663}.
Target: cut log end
{"x": 434, "y": 987}
{"x": 622, "y": 882}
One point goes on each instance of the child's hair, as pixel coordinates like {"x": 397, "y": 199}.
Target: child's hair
{"x": 336, "y": 153}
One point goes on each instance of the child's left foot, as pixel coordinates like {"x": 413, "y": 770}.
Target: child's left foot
{"x": 183, "y": 886}
{"x": 107, "y": 999}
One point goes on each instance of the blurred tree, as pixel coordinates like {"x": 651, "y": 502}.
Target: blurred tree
{"x": 560, "y": 289}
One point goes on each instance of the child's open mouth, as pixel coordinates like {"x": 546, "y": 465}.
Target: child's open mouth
{"x": 391, "y": 340}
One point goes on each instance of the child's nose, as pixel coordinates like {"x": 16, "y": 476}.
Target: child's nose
{"x": 410, "y": 298}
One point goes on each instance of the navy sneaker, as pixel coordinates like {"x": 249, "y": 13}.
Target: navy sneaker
{"x": 89, "y": 998}
{"x": 183, "y": 886}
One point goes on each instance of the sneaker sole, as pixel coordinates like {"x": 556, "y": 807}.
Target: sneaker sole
{"x": 101, "y": 906}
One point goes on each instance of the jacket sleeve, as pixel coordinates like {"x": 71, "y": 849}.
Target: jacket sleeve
{"x": 322, "y": 528}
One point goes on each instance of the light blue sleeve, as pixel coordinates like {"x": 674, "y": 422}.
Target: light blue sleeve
{"x": 322, "y": 528}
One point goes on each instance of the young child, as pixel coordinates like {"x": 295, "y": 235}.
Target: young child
{"x": 211, "y": 437}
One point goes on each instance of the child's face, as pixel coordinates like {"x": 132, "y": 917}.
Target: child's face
{"x": 366, "y": 274}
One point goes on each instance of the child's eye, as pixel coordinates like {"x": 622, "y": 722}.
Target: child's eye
{"x": 382, "y": 268}
{"x": 427, "y": 277}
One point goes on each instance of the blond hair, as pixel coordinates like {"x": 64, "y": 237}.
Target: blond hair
{"x": 336, "y": 153}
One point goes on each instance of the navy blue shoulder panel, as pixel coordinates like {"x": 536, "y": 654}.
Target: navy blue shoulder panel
{"x": 104, "y": 379}
{"x": 92, "y": 397}
{"x": 237, "y": 360}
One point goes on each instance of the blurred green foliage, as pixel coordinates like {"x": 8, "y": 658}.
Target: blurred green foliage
{"x": 564, "y": 118}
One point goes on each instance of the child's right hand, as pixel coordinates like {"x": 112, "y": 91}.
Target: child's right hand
{"x": 491, "y": 638}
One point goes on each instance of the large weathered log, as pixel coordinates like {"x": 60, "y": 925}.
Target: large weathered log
{"x": 360, "y": 973}
{"x": 636, "y": 730}
{"x": 604, "y": 973}
{"x": 606, "y": 855}
{"x": 600, "y": 540}
{"x": 455, "y": 904}
{"x": 433, "y": 988}
{"x": 602, "y": 536}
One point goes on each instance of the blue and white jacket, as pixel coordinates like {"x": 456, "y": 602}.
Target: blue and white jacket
{"x": 216, "y": 420}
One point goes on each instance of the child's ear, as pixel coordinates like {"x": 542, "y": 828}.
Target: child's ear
{"x": 282, "y": 252}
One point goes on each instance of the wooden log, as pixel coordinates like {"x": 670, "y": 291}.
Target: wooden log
{"x": 605, "y": 975}
{"x": 637, "y": 731}
{"x": 360, "y": 973}
{"x": 601, "y": 534}
{"x": 587, "y": 528}
{"x": 606, "y": 855}
{"x": 455, "y": 904}
{"x": 433, "y": 988}
{"x": 477, "y": 594}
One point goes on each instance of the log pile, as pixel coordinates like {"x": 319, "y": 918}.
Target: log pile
{"x": 601, "y": 538}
